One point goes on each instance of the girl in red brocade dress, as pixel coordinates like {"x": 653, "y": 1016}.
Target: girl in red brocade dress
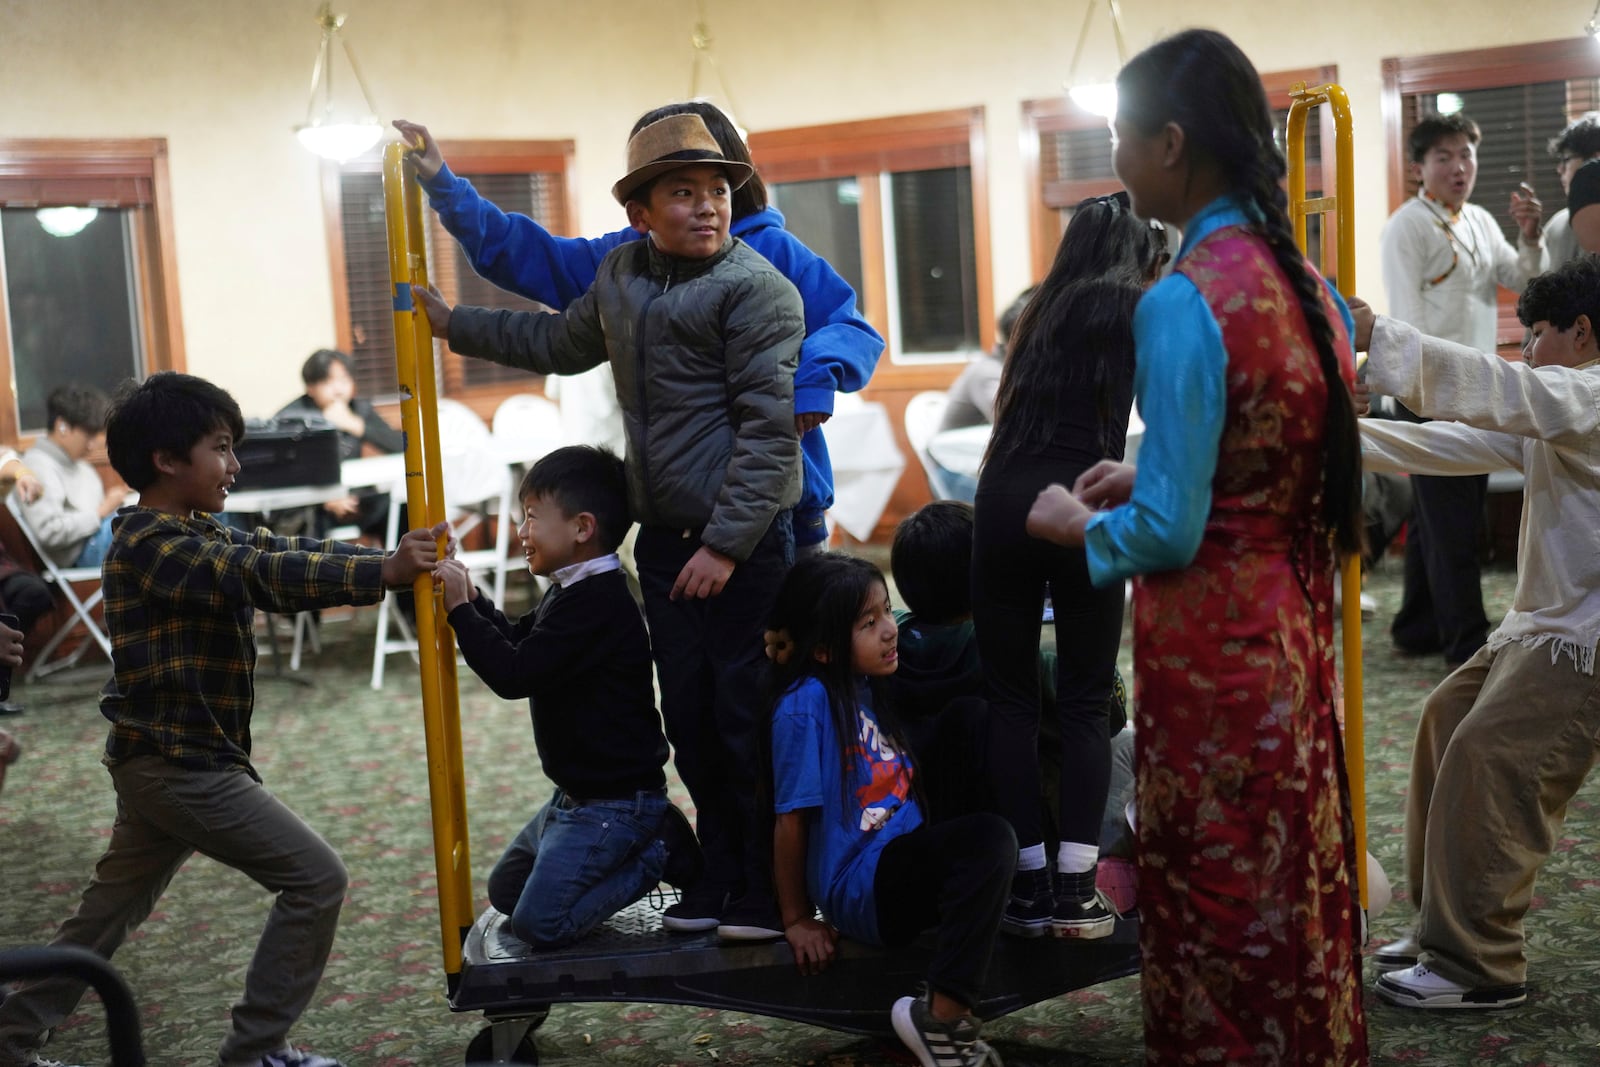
{"x": 1248, "y": 481}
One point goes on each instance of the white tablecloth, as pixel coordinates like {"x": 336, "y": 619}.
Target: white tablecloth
{"x": 866, "y": 465}
{"x": 961, "y": 451}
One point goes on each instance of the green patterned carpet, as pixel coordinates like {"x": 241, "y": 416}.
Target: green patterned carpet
{"x": 351, "y": 762}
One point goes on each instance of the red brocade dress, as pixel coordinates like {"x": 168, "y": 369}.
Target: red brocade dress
{"x": 1245, "y": 848}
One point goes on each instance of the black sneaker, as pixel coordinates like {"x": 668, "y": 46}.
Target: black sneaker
{"x": 697, "y": 910}
{"x": 1031, "y": 905}
{"x": 936, "y": 1043}
{"x": 1081, "y": 909}
{"x": 685, "y": 862}
{"x": 753, "y": 917}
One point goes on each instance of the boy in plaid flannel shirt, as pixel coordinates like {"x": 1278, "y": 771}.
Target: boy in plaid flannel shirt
{"x": 181, "y": 591}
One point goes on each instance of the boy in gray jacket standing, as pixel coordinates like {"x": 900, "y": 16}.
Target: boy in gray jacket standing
{"x": 703, "y": 336}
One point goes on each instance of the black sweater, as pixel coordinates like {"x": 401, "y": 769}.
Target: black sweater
{"x": 583, "y": 661}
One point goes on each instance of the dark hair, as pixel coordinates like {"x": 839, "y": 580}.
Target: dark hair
{"x": 583, "y": 478}
{"x": 1435, "y": 128}
{"x": 1563, "y": 294}
{"x": 931, "y": 560}
{"x": 1581, "y": 138}
{"x": 1006, "y": 324}
{"x": 167, "y": 412}
{"x": 1201, "y": 81}
{"x": 750, "y": 197}
{"x": 81, "y": 407}
{"x": 320, "y": 363}
{"x": 1081, "y": 341}
{"x": 817, "y": 607}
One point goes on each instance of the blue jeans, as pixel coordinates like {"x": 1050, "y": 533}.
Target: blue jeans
{"x": 95, "y": 549}
{"x": 578, "y": 863}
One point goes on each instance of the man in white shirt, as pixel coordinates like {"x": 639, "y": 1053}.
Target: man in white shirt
{"x": 1507, "y": 739}
{"x": 1572, "y": 148}
{"x": 1443, "y": 260}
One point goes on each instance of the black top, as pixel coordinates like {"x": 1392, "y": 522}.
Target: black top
{"x": 1585, "y": 188}
{"x": 583, "y": 661}
{"x": 377, "y": 433}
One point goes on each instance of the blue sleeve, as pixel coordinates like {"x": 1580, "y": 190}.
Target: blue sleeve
{"x": 797, "y": 740}
{"x": 515, "y": 252}
{"x": 841, "y": 349}
{"x": 1181, "y": 388}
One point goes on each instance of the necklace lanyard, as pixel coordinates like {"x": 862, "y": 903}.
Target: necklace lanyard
{"x": 1444, "y": 223}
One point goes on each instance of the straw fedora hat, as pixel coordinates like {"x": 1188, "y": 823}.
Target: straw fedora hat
{"x": 673, "y": 142}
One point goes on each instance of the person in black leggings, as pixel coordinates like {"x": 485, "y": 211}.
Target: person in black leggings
{"x": 1063, "y": 406}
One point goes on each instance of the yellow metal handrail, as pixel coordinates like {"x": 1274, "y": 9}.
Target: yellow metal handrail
{"x": 1341, "y": 205}
{"x": 425, "y": 502}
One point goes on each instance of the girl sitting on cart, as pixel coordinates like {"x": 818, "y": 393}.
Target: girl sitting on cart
{"x": 851, "y": 836}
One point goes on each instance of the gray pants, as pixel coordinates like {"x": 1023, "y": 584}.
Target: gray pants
{"x": 1504, "y": 743}
{"x": 165, "y": 814}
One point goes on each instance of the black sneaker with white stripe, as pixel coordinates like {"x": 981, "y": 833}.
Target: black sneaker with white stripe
{"x": 936, "y": 1043}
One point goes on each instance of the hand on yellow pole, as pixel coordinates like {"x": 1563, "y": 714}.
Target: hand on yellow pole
{"x": 435, "y": 308}
{"x": 415, "y": 555}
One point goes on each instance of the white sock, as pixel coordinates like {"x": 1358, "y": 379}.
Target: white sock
{"x": 1073, "y": 857}
{"x": 1031, "y": 858}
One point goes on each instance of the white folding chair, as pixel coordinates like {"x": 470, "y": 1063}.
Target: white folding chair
{"x": 924, "y": 412}
{"x": 478, "y": 487}
{"x": 526, "y": 426}
{"x": 82, "y": 609}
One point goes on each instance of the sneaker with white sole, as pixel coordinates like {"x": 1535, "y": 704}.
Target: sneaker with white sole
{"x": 1398, "y": 955}
{"x": 697, "y": 910}
{"x": 1030, "y": 905}
{"x": 1084, "y": 919}
{"x": 936, "y": 1043}
{"x": 1423, "y": 987}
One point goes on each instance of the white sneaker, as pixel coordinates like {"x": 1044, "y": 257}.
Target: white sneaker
{"x": 1369, "y": 607}
{"x": 1398, "y": 955}
{"x": 1423, "y": 987}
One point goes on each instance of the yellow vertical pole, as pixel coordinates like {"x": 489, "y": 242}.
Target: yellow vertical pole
{"x": 1341, "y": 205}
{"x": 425, "y": 502}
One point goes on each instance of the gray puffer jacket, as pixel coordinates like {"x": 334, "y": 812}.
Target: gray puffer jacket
{"x": 704, "y": 353}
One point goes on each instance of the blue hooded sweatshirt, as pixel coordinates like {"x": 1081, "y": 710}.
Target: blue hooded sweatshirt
{"x": 839, "y": 353}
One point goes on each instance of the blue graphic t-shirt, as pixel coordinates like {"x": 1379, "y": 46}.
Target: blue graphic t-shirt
{"x": 848, "y": 821}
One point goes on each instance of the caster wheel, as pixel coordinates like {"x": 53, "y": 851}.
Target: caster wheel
{"x": 481, "y": 1050}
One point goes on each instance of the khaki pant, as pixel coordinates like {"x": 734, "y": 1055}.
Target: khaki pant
{"x": 1504, "y": 743}
{"x": 165, "y": 814}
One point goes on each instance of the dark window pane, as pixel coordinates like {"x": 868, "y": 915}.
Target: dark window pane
{"x": 1075, "y": 155}
{"x": 72, "y": 308}
{"x": 366, "y": 272}
{"x": 825, "y": 215}
{"x": 539, "y": 197}
{"x": 1516, "y": 122}
{"x": 935, "y": 264}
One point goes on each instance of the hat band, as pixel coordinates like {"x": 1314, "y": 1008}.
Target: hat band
{"x": 689, "y": 155}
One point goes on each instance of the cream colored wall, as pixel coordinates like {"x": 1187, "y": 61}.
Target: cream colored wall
{"x": 224, "y": 80}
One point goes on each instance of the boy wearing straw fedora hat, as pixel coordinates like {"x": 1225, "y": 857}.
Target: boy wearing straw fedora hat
{"x": 703, "y": 336}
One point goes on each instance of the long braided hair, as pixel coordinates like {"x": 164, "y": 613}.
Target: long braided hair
{"x": 1202, "y": 82}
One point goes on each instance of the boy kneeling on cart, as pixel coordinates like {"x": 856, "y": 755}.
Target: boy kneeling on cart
{"x": 582, "y": 658}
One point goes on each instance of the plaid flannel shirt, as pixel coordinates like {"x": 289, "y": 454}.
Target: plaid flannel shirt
{"x": 180, "y": 598}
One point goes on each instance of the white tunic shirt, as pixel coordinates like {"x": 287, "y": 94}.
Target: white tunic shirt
{"x": 1544, "y": 422}
{"x": 1440, "y": 271}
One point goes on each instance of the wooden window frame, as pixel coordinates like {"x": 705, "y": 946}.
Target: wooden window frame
{"x": 866, "y": 148}
{"x": 1478, "y": 68}
{"x": 464, "y": 157}
{"x": 124, "y": 173}
{"x": 1057, "y": 114}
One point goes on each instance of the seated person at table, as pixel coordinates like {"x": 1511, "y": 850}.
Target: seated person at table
{"x": 331, "y": 394}
{"x": 970, "y": 399}
{"x": 940, "y": 683}
{"x": 582, "y": 659}
{"x": 71, "y": 516}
